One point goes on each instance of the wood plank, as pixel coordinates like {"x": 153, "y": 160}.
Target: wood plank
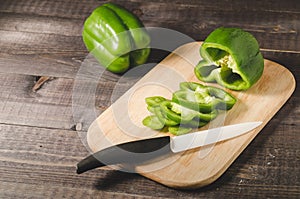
{"x": 31, "y": 45}
{"x": 69, "y": 8}
{"x": 19, "y": 105}
{"x": 39, "y": 161}
{"x": 20, "y": 190}
{"x": 52, "y": 105}
{"x": 41, "y": 146}
{"x": 77, "y": 8}
{"x": 40, "y": 24}
{"x": 54, "y": 64}
{"x": 285, "y": 58}
{"x": 40, "y": 54}
{"x": 267, "y": 21}
{"x": 213, "y": 18}
{"x": 40, "y": 45}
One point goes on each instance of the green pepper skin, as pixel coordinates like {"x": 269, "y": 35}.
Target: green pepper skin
{"x": 163, "y": 118}
{"x": 231, "y": 57}
{"x": 179, "y": 130}
{"x": 154, "y": 107}
{"x": 187, "y": 96}
{"x": 153, "y": 122}
{"x": 139, "y": 35}
{"x": 116, "y": 38}
{"x": 185, "y": 117}
{"x": 155, "y": 100}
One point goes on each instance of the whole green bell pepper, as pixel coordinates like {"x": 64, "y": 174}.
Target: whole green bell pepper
{"x": 231, "y": 57}
{"x": 203, "y": 98}
{"x": 116, "y": 38}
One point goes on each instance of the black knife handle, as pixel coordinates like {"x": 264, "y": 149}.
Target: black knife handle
{"x": 134, "y": 152}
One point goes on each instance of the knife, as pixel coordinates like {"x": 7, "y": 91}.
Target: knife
{"x": 140, "y": 151}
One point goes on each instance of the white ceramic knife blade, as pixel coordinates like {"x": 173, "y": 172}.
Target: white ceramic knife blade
{"x": 210, "y": 136}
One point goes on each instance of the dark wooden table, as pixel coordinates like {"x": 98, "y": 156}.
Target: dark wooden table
{"x": 41, "y": 50}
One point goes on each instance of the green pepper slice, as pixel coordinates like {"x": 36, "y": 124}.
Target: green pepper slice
{"x": 162, "y": 117}
{"x": 232, "y": 58}
{"x": 179, "y": 130}
{"x": 203, "y": 98}
{"x": 183, "y": 115}
{"x": 186, "y": 128}
{"x": 155, "y": 100}
{"x": 153, "y": 122}
{"x": 116, "y": 38}
{"x": 154, "y": 107}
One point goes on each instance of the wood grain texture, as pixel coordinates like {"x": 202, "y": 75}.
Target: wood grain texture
{"x": 53, "y": 105}
{"x": 42, "y": 38}
{"x": 194, "y": 168}
{"x": 44, "y": 160}
{"x": 26, "y": 33}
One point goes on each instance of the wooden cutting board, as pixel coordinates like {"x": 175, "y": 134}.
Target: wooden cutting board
{"x": 121, "y": 122}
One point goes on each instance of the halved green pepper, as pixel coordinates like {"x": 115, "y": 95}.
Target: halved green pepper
{"x": 231, "y": 57}
{"x": 203, "y": 98}
{"x": 116, "y": 38}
